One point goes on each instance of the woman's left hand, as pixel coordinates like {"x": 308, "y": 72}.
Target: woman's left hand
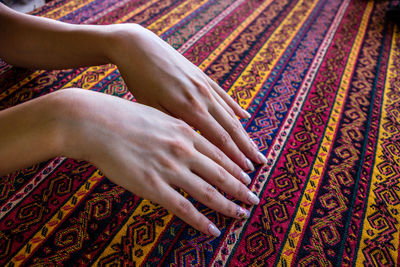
{"x": 158, "y": 76}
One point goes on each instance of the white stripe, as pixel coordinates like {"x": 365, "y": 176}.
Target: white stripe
{"x": 183, "y": 48}
{"x": 283, "y": 134}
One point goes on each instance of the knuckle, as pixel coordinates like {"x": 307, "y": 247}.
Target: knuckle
{"x": 209, "y": 193}
{"x": 180, "y": 149}
{"x": 224, "y": 138}
{"x": 236, "y": 126}
{"x": 183, "y": 207}
{"x": 169, "y": 164}
{"x": 185, "y": 129}
{"x": 222, "y": 176}
{"x": 193, "y": 104}
{"x": 152, "y": 179}
{"x": 204, "y": 91}
{"x": 219, "y": 156}
{"x": 203, "y": 87}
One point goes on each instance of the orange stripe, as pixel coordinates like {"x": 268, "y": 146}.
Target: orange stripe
{"x": 45, "y": 231}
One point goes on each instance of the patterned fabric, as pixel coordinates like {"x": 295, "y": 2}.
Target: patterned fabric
{"x": 321, "y": 79}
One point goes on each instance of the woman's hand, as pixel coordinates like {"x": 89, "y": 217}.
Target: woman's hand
{"x": 156, "y": 73}
{"x": 150, "y": 153}
{"x": 160, "y": 77}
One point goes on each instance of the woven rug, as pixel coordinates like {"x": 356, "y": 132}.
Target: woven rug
{"x": 321, "y": 79}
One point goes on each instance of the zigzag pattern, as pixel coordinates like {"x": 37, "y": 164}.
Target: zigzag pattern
{"x": 320, "y": 79}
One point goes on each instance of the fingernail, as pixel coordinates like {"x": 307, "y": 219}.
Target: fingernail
{"x": 252, "y": 198}
{"x": 213, "y": 230}
{"x": 254, "y": 144}
{"x": 245, "y": 178}
{"x": 242, "y": 213}
{"x": 248, "y": 115}
{"x": 249, "y": 165}
{"x": 262, "y": 158}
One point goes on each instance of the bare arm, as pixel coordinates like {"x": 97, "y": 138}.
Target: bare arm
{"x": 156, "y": 74}
{"x": 138, "y": 147}
{"x": 41, "y": 43}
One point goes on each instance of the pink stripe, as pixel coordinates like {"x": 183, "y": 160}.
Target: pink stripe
{"x": 294, "y": 112}
{"x": 29, "y": 187}
{"x": 208, "y": 27}
{"x": 104, "y": 12}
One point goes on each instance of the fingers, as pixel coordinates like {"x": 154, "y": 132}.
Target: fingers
{"x": 216, "y": 134}
{"x": 239, "y": 111}
{"x": 237, "y": 133}
{"x": 212, "y": 152}
{"x": 211, "y": 197}
{"x": 231, "y": 124}
{"x": 244, "y": 133}
{"x": 216, "y": 175}
{"x": 223, "y": 104}
{"x": 181, "y": 207}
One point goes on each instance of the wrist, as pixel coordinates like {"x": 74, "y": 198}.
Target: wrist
{"x": 68, "y": 117}
{"x": 120, "y": 38}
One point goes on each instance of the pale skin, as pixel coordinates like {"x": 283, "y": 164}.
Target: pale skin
{"x": 147, "y": 147}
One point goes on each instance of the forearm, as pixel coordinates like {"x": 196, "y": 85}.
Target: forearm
{"x": 40, "y": 43}
{"x": 29, "y": 134}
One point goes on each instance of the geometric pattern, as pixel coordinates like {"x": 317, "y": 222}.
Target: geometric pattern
{"x": 321, "y": 80}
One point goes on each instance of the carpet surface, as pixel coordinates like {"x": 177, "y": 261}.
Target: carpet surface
{"x": 321, "y": 79}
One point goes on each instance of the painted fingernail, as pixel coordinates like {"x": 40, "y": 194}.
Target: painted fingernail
{"x": 242, "y": 213}
{"x": 248, "y": 115}
{"x": 249, "y": 165}
{"x": 262, "y": 158}
{"x": 254, "y": 144}
{"x": 252, "y": 198}
{"x": 245, "y": 178}
{"x": 213, "y": 230}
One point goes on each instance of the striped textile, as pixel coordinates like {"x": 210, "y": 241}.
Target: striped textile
{"x": 321, "y": 79}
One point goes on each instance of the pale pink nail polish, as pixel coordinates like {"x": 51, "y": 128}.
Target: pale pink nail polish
{"x": 262, "y": 158}
{"x": 213, "y": 230}
{"x": 248, "y": 115}
{"x": 249, "y": 165}
{"x": 252, "y": 198}
{"x": 242, "y": 213}
{"x": 245, "y": 178}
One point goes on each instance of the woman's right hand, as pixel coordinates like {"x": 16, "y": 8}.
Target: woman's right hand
{"x": 150, "y": 153}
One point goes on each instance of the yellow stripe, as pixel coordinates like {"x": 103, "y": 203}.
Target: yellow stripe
{"x": 147, "y": 248}
{"x": 88, "y": 83}
{"x": 135, "y": 11}
{"x": 70, "y": 7}
{"x": 90, "y": 76}
{"x": 64, "y": 10}
{"x": 172, "y": 18}
{"x": 145, "y": 207}
{"x": 318, "y": 169}
{"x": 382, "y": 172}
{"x": 54, "y": 222}
{"x": 221, "y": 47}
{"x": 263, "y": 57}
{"x": 20, "y": 84}
{"x": 218, "y": 50}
